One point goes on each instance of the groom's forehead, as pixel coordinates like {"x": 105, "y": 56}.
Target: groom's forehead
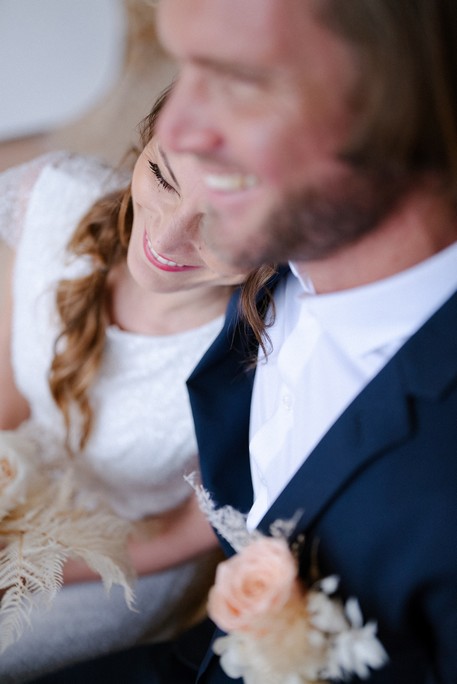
{"x": 228, "y": 31}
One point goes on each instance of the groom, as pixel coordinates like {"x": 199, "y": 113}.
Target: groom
{"x": 327, "y": 136}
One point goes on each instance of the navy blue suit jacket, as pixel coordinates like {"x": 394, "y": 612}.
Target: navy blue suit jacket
{"x": 378, "y": 494}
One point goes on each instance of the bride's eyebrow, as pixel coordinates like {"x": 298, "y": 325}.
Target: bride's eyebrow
{"x": 167, "y": 164}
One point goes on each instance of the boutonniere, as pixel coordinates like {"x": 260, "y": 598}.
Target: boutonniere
{"x": 45, "y": 520}
{"x": 280, "y": 631}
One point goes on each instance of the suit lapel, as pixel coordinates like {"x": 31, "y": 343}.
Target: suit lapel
{"x": 378, "y": 419}
{"x": 359, "y": 436}
{"x": 220, "y": 391}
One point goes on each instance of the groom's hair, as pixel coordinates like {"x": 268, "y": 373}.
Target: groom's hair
{"x": 406, "y": 94}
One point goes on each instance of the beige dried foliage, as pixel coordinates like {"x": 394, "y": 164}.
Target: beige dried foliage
{"x": 41, "y": 532}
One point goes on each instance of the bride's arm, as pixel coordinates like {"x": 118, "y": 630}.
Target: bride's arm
{"x": 17, "y": 186}
{"x": 181, "y": 535}
{"x": 163, "y": 542}
{"x": 13, "y": 407}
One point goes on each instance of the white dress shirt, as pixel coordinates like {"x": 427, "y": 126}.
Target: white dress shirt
{"x": 326, "y": 348}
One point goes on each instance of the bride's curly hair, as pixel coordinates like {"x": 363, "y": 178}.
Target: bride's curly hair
{"x": 103, "y": 235}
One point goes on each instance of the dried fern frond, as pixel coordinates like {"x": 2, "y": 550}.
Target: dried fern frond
{"x": 45, "y": 529}
{"x": 30, "y": 579}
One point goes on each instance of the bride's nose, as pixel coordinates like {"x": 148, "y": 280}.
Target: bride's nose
{"x": 181, "y": 230}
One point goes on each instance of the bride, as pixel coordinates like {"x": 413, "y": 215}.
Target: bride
{"x": 113, "y": 300}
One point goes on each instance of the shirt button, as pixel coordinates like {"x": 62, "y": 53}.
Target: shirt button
{"x": 287, "y": 402}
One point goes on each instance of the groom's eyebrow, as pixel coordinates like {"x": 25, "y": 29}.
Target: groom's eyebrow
{"x": 167, "y": 164}
{"x": 240, "y": 71}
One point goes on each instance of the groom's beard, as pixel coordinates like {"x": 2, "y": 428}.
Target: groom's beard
{"x": 316, "y": 222}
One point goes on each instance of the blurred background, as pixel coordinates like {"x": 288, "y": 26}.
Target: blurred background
{"x": 76, "y": 75}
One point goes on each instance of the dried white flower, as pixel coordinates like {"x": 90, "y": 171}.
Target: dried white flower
{"x": 355, "y": 651}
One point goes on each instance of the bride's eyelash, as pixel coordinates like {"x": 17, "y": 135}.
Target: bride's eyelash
{"x": 160, "y": 179}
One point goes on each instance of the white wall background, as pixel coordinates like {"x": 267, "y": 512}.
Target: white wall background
{"x": 57, "y": 59}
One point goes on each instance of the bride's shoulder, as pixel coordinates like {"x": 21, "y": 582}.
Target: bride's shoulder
{"x": 74, "y": 178}
{"x": 86, "y": 169}
{"x": 90, "y": 170}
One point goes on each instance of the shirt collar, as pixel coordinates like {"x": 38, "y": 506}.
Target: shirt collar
{"x": 366, "y": 319}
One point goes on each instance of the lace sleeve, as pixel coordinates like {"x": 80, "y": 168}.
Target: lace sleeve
{"x": 16, "y": 187}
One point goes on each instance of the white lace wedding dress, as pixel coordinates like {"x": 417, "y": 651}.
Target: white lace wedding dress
{"x": 143, "y": 440}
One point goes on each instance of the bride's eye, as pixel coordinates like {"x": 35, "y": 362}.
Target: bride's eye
{"x": 159, "y": 178}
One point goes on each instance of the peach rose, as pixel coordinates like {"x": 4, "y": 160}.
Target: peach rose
{"x": 252, "y": 585}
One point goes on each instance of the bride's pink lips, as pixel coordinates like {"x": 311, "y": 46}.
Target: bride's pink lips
{"x": 159, "y": 264}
